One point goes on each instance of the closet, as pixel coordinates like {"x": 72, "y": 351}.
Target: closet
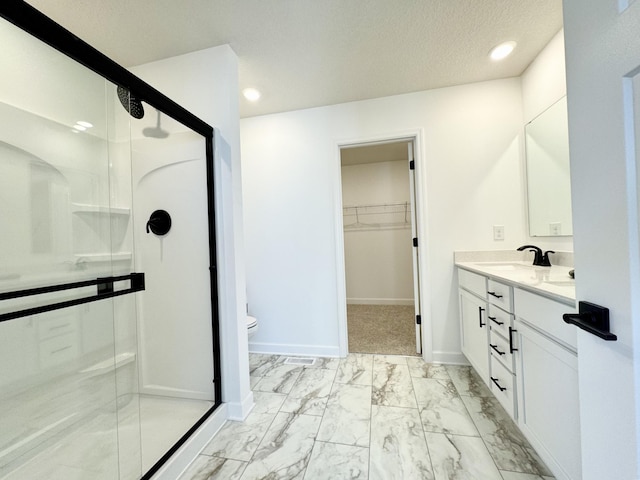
{"x": 378, "y": 244}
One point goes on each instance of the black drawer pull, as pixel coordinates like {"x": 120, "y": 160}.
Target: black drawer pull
{"x": 494, "y": 320}
{"x": 511, "y": 347}
{"x": 480, "y": 310}
{"x": 495, "y": 347}
{"x": 495, "y": 294}
{"x": 58, "y": 327}
{"x": 495, "y": 380}
{"x": 60, "y": 349}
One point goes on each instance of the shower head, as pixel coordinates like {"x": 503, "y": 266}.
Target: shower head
{"x": 130, "y": 103}
{"x": 157, "y": 131}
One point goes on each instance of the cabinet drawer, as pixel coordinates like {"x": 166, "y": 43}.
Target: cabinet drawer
{"x": 503, "y": 385}
{"x": 546, "y": 315}
{"x": 472, "y": 282}
{"x": 499, "y": 320}
{"x": 55, "y": 325}
{"x": 500, "y": 349}
{"x": 57, "y": 350}
{"x": 500, "y": 294}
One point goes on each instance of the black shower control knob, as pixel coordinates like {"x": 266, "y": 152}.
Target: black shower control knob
{"x": 159, "y": 222}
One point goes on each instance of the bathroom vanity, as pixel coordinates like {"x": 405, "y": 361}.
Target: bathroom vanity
{"x": 513, "y": 335}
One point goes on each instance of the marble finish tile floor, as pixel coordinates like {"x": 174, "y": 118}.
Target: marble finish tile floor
{"x": 368, "y": 417}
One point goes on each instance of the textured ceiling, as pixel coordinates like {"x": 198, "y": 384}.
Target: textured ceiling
{"x": 307, "y": 53}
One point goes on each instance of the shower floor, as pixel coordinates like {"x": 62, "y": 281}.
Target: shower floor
{"x": 88, "y": 449}
{"x": 164, "y": 421}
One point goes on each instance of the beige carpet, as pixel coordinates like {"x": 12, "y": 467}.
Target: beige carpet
{"x": 384, "y": 329}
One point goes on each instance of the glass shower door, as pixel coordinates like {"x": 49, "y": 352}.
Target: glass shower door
{"x": 68, "y": 349}
{"x": 176, "y": 351}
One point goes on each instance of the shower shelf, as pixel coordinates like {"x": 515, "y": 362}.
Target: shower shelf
{"x": 109, "y": 364}
{"x": 103, "y": 257}
{"x": 100, "y": 209}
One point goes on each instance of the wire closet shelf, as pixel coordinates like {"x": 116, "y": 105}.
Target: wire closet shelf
{"x": 377, "y": 216}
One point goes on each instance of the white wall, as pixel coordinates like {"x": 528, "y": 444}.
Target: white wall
{"x": 170, "y": 174}
{"x": 206, "y": 83}
{"x": 468, "y": 162}
{"x": 378, "y": 259}
{"x": 604, "y": 134}
{"x": 543, "y": 84}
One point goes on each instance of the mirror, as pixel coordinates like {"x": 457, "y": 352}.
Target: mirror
{"x": 548, "y": 182}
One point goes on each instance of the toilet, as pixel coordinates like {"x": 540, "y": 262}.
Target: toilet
{"x": 252, "y": 325}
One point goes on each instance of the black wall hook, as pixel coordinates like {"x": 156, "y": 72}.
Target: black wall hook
{"x": 159, "y": 222}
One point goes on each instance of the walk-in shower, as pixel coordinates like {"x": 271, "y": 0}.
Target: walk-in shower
{"x": 109, "y": 354}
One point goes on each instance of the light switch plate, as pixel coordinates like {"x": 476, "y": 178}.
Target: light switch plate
{"x": 555, "y": 228}
{"x": 498, "y": 232}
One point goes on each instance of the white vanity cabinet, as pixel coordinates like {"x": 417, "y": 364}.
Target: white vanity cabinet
{"x": 473, "y": 320}
{"x": 529, "y": 361}
{"x": 547, "y": 373}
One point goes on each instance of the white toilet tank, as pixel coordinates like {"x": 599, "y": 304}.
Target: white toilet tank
{"x": 252, "y": 325}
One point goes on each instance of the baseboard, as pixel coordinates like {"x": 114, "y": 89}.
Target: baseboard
{"x": 301, "y": 350}
{"x": 239, "y": 410}
{"x": 380, "y": 301}
{"x": 188, "y": 452}
{"x": 450, "y": 358}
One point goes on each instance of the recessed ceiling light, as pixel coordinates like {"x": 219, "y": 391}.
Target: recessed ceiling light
{"x": 502, "y": 51}
{"x": 251, "y": 94}
{"x": 84, "y": 124}
{"x": 77, "y": 126}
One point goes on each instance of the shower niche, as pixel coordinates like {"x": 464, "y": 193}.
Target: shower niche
{"x": 89, "y": 223}
{"x": 106, "y": 332}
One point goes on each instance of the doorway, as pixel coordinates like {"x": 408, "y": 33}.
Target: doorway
{"x": 380, "y": 248}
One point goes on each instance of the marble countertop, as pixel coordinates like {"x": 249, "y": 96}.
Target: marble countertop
{"x": 552, "y": 282}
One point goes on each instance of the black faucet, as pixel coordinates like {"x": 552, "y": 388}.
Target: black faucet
{"x": 540, "y": 259}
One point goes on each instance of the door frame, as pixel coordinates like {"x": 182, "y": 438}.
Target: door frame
{"x": 414, "y": 136}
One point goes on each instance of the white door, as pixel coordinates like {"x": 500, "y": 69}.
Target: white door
{"x": 414, "y": 235}
{"x": 602, "y": 41}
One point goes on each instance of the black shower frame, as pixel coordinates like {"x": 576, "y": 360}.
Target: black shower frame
{"x": 42, "y": 27}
